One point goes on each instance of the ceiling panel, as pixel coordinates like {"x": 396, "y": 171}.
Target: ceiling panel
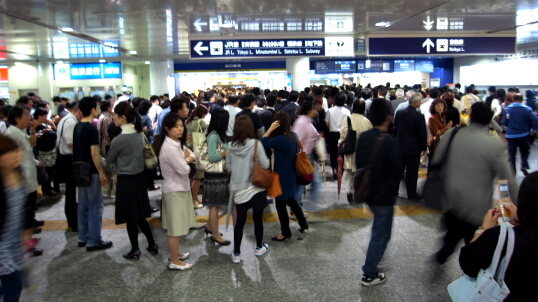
{"x": 158, "y": 29}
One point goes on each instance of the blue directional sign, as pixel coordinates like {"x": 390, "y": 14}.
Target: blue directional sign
{"x": 441, "y": 46}
{"x": 257, "y": 48}
{"x": 89, "y": 71}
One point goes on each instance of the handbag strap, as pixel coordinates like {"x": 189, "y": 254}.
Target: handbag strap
{"x": 255, "y": 150}
{"x": 375, "y": 150}
{"x": 349, "y": 127}
{"x": 498, "y": 250}
{"x": 447, "y": 149}
{"x": 510, "y": 235}
{"x": 298, "y": 144}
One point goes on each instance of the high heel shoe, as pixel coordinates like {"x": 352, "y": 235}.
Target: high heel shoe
{"x": 281, "y": 239}
{"x": 302, "y": 230}
{"x": 225, "y": 242}
{"x": 133, "y": 255}
{"x": 154, "y": 249}
{"x": 208, "y": 232}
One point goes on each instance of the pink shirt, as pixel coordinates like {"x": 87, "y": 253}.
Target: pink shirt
{"x": 174, "y": 167}
{"x": 306, "y": 132}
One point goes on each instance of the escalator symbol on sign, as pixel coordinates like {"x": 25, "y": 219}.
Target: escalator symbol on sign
{"x": 216, "y": 48}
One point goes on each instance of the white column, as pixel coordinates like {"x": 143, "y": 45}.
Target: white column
{"x": 159, "y": 71}
{"x": 298, "y": 68}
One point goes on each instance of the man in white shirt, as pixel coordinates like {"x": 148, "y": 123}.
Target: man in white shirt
{"x": 64, "y": 162}
{"x": 333, "y": 119}
{"x": 155, "y": 110}
{"x": 233, "y": 109}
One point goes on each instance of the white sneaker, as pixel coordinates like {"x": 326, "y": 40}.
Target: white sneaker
{"x": 261, "y": 250}
{"x": 236, "y": 258}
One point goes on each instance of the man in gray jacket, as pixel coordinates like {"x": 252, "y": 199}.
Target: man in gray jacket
{"x": 473, "y": 162}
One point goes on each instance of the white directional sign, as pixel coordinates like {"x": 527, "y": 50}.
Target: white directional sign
{"x": 199, "y": 48}
{"x": 428, "y": 24}
{"x": 428, "y": 43}
{"x": 198, "y": 24}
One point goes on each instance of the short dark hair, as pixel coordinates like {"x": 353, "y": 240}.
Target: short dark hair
{"x": 86, "y": 105}
{"x": 233, "y": 99}
{"x": 153, "y": 98}
{"x": 435, "y": 102}
{"x": 177, "y": 103}
{"x": 293, "y": 96}
{"x": 469, "y": 89}
{"x": 340, "y": 98}
{"x": 71, "y": 104}
{"x": 366, "y": 93}
{"x": 270, "y": 99}
{"x": 105, "y": 105}
{"x": 24, "y": 100}
{"x": 15, "y": 112}
{"x": 359, "y": 107}
{"x": 246, "y": 101}
{"x": 260, "y": 102}
{"x": 256, "y": 91}
{"x": 305, "y": 108}
{"x": 434, "y": 93}
{"x": 379, "y": 110}
{"x": 40, "y": 111}
{"x": 144, "y": 107}
{"x": 518, "y": 98}
{"x": 56, "y": 99}
{"x": 136, "y": 102}
{"x": 492, "y": 89}
{"x": 481, "y": 113}
{"x": 108, "y": 97}
{"x": 283, "y": 94}
{"x": 527, "y": 202}
{"x": 382, "y": 91}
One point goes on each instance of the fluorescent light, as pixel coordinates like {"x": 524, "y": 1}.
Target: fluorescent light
{"x": 3, "y": 66}
{"x": 146, "y": 62}
{"x": 383, "y": 24}
{"x": 133, "y": 52}
{"x": 67, "y": 29}
{"x": 59, "y": 62}
{"x": 102, "y": 61}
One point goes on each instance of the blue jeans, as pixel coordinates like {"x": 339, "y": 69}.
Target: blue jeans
{"x": 523, "y": 144}
{"x": 314, "y": 186}
{"x": 11, "y": 287}
{"x": 381, "y": 232}
{"x": 90, "y": 212}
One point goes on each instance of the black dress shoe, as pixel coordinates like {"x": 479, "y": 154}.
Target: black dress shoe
{"x": 281, "y": 239}
{"x": 37, "y": 230}
{"x": 154, "y": 249}
{"x": 103, "y": 245}
{"x": 155, "y": 209}
{"x": 349, "y": 198}
{"x": 38, "y": 223}
{"x": 36, "y": 252}
{"x": 154, "y": 188}
{"x": 81, "y": 244}
{"x": 133, "y": 255}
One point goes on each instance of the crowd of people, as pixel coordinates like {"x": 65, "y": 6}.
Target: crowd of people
{"x": 397, "y": 130}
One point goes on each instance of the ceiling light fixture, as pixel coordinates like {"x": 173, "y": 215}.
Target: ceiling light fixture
{"x": 133, "y": 52}
{"x": 67, "y": 29}
{"x": 102, "y": 61}
{"x": 383, "y": 24}
{"x": 146, "y": 62}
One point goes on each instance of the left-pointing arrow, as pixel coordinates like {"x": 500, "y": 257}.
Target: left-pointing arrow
{"x": 198, "y": 24}
{"x": 199, "y": 48}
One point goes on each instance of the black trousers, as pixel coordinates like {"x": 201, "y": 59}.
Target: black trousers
{"x": 150, "y": 176}
{"x": 71, "y": 206}
{"x": 285, "y": 219}
{"x": 332, "y": 142}
{"x": 47, "y": 188}
{"x": 457, "y": 229}
{"x": 257, "y": 203}
{"x": 411, "y": 174}
{"x": 29, "y": 211}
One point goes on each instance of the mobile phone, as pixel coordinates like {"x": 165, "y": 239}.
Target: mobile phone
{"x": 504, "y": 199}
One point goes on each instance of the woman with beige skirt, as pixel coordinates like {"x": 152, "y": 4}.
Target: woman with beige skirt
{"x": 177, "y": 213}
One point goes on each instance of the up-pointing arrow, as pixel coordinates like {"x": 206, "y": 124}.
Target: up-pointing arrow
{"x": 428, "y": 43}
{"x": 199, "y": 48}
{"x": 428, "y": 24}
{"x": 198, "y": 24}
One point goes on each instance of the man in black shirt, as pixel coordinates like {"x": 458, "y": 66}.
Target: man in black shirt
{"x": 90, "y": 199}
{"x": 246, "y": 103}
{"x": 385, "y": 178}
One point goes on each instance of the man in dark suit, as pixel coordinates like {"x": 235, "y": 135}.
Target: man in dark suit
{"x": 247, "y": 103}
{"x": 292, "y": 106}
{"x": 410, "y": 131}
{"x": 281, "y": 100}
{"x": 266, "y": 115}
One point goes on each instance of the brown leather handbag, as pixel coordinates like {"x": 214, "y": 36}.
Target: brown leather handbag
{"x": 260, "y": 177}
{"x": 302, "y": 163}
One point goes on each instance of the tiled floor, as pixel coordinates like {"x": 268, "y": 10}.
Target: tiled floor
{"x": 322, "y": 265}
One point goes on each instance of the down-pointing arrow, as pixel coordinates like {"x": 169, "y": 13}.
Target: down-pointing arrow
{"x": 428, "y": 43}
{"x": 428, "y": 24}
{"x": 199, "y": 48}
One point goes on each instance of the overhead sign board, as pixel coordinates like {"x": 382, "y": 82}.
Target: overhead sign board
{"x": 345, "y": 66}
{"x": 323, "y": 67}
{"x": 424, "y": 66}
{"x": 90, "y": 71}
{"x": 444, "y": 22}
{"x": 441, "y": 46}
{"x": 375, "y": 66}
{"x": 404, "y": 65}
{"x": 64, "y": 50}
{"x": 200, "y": 24}
{"x": 218, "y": 49}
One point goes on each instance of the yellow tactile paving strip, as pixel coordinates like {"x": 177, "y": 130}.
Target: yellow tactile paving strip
{"x": 108, "y": 224}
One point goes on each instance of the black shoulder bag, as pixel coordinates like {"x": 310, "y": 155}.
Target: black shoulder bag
{"x": 362, "y": 179}
{"x": 349, "y": 145}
